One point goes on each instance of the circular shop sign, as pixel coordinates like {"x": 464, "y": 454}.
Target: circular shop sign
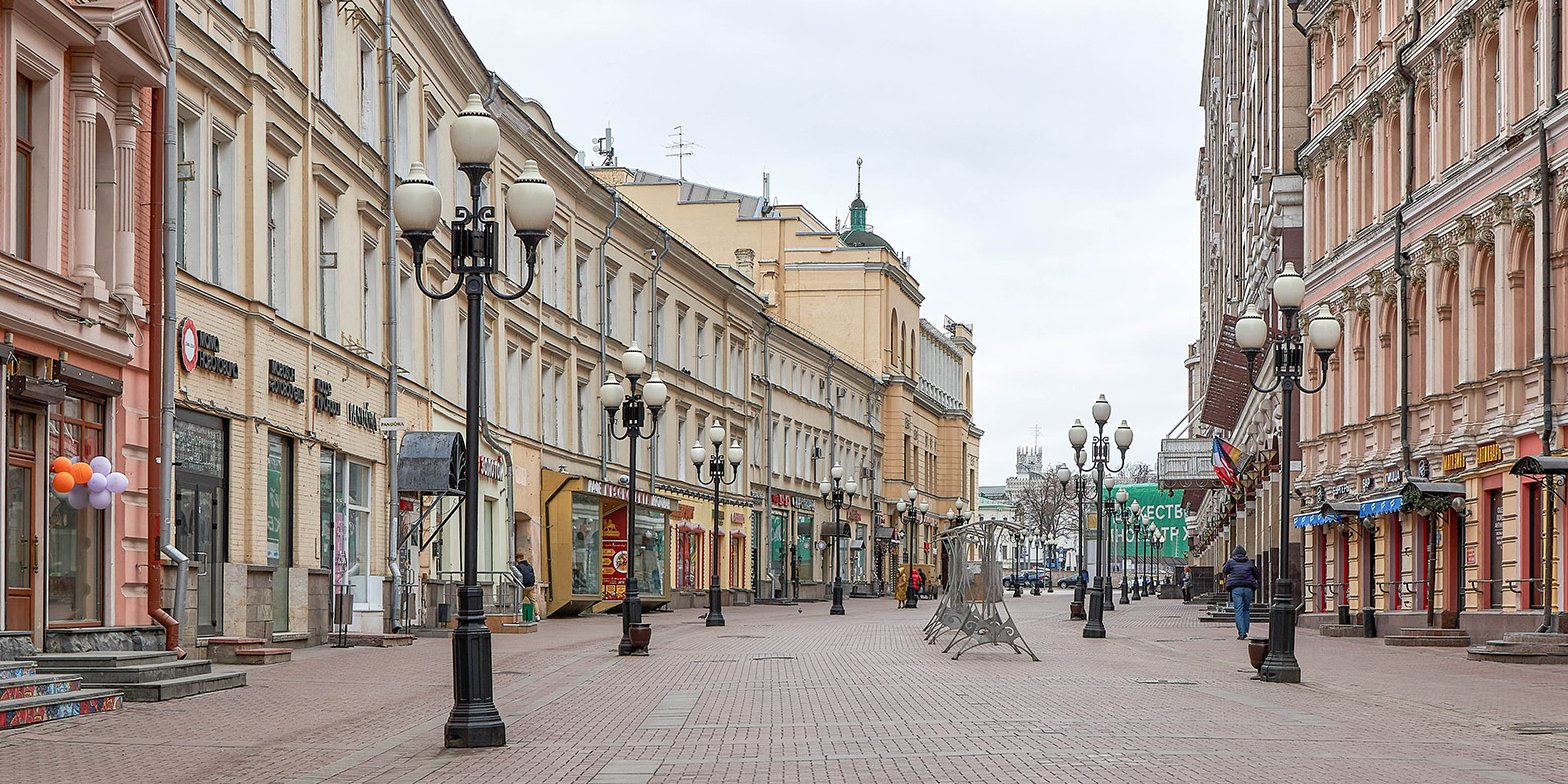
{"x": 188, "y": 344}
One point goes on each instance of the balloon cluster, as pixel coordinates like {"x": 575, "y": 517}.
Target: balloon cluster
{"x": 93, "y": 483}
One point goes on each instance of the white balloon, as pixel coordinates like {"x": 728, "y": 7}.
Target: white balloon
{"x": 97, "y": 482}
{"x": 117, "y": 482}
{"x": 101, "y": 465}
{"x": 77, "y": 498}
{"x": 100, "y": 500}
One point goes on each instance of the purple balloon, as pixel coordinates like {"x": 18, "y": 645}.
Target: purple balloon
{"x": 97, "y": 483}
{"x": 77, "y": 498}
{"x": 117, "y": 482}
{"x": 100, "y": 500}
{"x": 101, "y": 465}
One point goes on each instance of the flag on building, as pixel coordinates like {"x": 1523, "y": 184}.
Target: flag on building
{"x": 1226, "y": 459}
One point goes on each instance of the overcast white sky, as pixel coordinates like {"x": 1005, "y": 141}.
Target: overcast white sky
{"x": 1035, "y": 158}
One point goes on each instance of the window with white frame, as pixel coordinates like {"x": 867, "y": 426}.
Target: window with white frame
{"x": 278, "y": 290}
{"x": 405, "y": 318}
{"x": 220, "y": 262}
{"x": 581, "y": 282}
{"x": 581, "y": 403}
{"x": 609, "y": 303}
{"x": 702, "y": 338}
{"x": 278, "y": 28}
{"x": 370, "y": 290}
{"x": 326, "y": 47}
{"x": 402, "y": 159}
{"x": 680, "y": 442}
{"x": 514, "y": 386}
{"x": 637, "y": 336}
{"x": 327, "y": 272}
{"x": 185, "y": 172}
{"x": 367, "y": 89}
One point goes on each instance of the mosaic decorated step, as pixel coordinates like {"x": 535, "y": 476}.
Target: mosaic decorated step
{"x": 143, "y": 676}
{"x": 29, "y": 698}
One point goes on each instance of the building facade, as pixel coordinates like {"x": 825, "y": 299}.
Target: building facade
{"x": 1434, "y": 230}
{"x": 76, "y": 279}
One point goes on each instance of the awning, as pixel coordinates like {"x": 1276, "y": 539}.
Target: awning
{"x": 1539, "y": 465}
{"x": 1381, "y": 505}
{"x": 1314, "y": 518}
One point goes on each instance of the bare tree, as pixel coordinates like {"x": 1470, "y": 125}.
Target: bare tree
{"x": 1044, "y": 511}
{"x": 1137, "y": 474}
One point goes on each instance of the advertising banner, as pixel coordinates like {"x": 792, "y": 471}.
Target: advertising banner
{"x": 1163, "y": 510}
{"x": 614, "y": 558}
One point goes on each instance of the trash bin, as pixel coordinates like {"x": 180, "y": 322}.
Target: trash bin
{"x": 1344, "y": 614}
{"x": 528, "y": 612}
{"x": 1369, "y": 621}
{"x": 443, "y": 613}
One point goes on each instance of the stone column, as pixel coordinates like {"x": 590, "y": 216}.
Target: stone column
{"x": 85, "y": 86}
{"x": 1465, "y": 312}
{"x": 127, "y": 121}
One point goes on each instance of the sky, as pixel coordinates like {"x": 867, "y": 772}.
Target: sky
{"x": 1034, "y": 158}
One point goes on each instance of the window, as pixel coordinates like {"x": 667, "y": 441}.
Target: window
{"x": 405, "y": 318}
{"x": 680, "y": 340}
{"x": 326, "y": 269}
{"x": 278, "y": 28}
{"x": 658, "y": 318}
{"x": 402, "y": 160}
{"x": 525, "y": 399}
{"x": 277, "y": 245}
{"x": 718, "y": 357}
{"x": 328, "y": 506}
{"x": 280, "y": 499}
{"x": 370, "y": 290}
{"x": 358, "y": 530}
{"x": 514, "y": 385}
{"x": 183, "y": 252}
{"x": 25, "y": 96}
{"x": 219, "y": 267}
{"x": 637, "y": 336}
{"x": 609, "y": 304}
{"x": 367, "y": 90}
{"x": 490, "y": 404}
{"x": 582, "y": 417}
{"x": 74, "y": 544}
{"x": 680, "y": 443}
{"x": 702, "y": 330}
{"x": 326, "y": 22}
{"x": 587, "y": 532}
{"x": 582, "y": 290}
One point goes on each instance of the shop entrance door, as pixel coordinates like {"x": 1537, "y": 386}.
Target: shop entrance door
{"x": 1494, "y": 554}
{"x": 199, "y": 530}
{"x": 21, "y": 523}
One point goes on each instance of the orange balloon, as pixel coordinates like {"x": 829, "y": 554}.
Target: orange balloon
{"x": 81, "y": 472}
{"x": 60, "y": 465}
{"x": 63, "y": 482}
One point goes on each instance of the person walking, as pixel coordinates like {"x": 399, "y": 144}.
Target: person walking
{"x": 526, "y": 578}
{"x": 1241, "y": 578}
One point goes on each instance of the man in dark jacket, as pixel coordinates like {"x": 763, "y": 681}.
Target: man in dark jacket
{"x": 1241, "y": 577}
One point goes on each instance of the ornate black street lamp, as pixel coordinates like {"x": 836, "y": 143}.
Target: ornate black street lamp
{"x": 836, "y": 494}
{"x": 638, "y": 410}
{"x": 911, "y": 512}
{"x": 1018, "y": 546}
{"x": 530, "y": 206}
{"x": 1078, "y": 436}
{"x": 1122, "y": 514}
{"x": 716, "y": 474}
{"x": 1252, "y": 332}
{"x": 1079, "y": 481}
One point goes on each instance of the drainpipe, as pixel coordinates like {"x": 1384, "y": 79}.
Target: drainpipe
{"x": 1402, "y": 270}
{"x": 653, "y": 337}
{"x": 767, "y": 429}
{"x": 166, "y": 347}
{"x": 1548, "y": 367}
{"x": 1295, "y": 9}
{"x": 604, "y": 297}
{"x": 395, "y": 543}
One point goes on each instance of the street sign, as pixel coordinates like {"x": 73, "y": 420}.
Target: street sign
{"x": 392, "y": 424}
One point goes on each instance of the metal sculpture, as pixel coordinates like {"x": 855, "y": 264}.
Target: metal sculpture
{"x": 972, "y": 610}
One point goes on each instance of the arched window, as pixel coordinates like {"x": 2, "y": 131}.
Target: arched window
{"x": 1452, "y": 120}
{"x": 1387, "y": 356}
{"x": 1446, "y": 291}
{"x": 1527, "y": 40}
{"x": 1423, "y": 142}
{"x": 1483, "y": 316}
{"x": 1488, "y": 88}
{"x": 1521, "y": 299}
{"x": 1415, "y": 323}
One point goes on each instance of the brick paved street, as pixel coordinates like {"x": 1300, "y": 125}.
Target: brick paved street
{"x": 786, "y": 696}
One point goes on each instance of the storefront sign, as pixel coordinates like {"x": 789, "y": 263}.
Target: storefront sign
{"x": 684, "y": 512}
{"x": 738, "y": 518}
{"x": 1470, "y": 556}
{"x": 1392, "y": 477}
{"x": 802, "y": 503}
{"x": 200, "y": 349}
{"x": 280, "y": 382}
{"x": 1453, "y": 461}
{"x": 613, "y": 555}
{"x": 1488, "y": 454}
{"x": 644, "y": 499}
{"x": 323, "y": 400}
{"x": 362, "y": 417}
{"x": 488, "y": 466}
{"x": 854, "y": 515}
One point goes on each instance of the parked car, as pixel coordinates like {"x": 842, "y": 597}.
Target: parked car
{"x": 1030, "y": 578}
{"x": 1070, "y": 581}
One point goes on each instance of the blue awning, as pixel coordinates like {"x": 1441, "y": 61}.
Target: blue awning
{"x": 1313, "y": 518}
{"x": 1381, "y": 505}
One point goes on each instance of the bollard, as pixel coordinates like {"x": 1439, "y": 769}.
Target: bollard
{"x": 1344, "y": 615}
{"x": 1369, "y": 621}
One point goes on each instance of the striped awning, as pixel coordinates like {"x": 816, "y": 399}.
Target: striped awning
{"x": 1313, "y": 518}
{"x": 1381, "y": 505}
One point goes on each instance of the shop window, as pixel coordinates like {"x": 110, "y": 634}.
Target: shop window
{"x": 805, "y": 560}
{"x": 587, "y": 535}
{"x": 737, "y": 563}
{"x": 280, "y": 499}
{"x": 329, "y": 487}
{"x": 75, "y": 536}
{"x": 648, "y": 554}
{"x": 358, "y": 530}
{"x": 688, "y": 559}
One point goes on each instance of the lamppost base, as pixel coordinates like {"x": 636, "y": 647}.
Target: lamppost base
{"x": 1280, "y": 666}
{"x": 1095, "y": 628}
{"x": 838, "y": 599}
{"x": 474, "y": 721}
{"x": 715, "y": 609}
{"x": 475, "y": 732}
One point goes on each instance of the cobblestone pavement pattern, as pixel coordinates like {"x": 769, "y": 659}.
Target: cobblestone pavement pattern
{"x": 785, "y": 696}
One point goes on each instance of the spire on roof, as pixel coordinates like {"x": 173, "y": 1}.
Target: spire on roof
{"x": 857, "y": 208}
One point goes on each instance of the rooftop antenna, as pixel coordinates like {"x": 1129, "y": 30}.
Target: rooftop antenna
{"x": 605, "y": 146}
{"x": 767, "y": 193}
{"x": 859, "y": 162}
{"x": 682, "y": 148}
{"x": 1036, "y": 429}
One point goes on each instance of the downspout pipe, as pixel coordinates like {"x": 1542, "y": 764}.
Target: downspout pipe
{"x": 166, "y": 360}
{"x": 1295, "y": 21}
{"x": 767, "y": 429}
{"x": 1548, "y": 366}
{"x": 604, "y": 303}
{"x": 395, "y": 541}
{"x": 653, "y": 335}
{"x": 1402, "y": 270}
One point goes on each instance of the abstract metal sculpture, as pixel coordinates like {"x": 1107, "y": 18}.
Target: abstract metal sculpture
{"x": 973, "y": 611}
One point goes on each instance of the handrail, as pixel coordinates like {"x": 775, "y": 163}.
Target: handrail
{"x": 511, "y": 576}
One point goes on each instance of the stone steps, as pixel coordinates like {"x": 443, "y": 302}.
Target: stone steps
{"x": 143, "y": 676}
{"x": 294, "y": 640}
{"x": 1424, "y": 637}
{"x": 1523, "y": 648}
{"x": 263, "y": 655}
{"x": 1342, "y": 630}
{"x": 376, "y": 640}
{"x": 27, "y": 697}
